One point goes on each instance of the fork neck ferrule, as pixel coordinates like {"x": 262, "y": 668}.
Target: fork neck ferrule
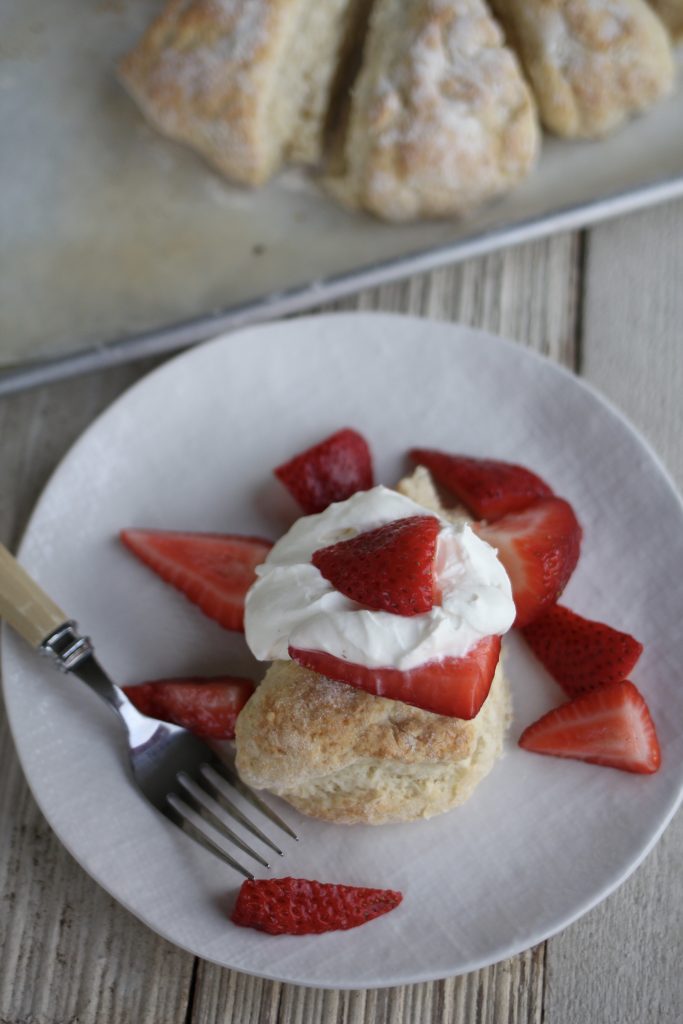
{"x": 75, "y": 653}
{"x": 66, "y": 647}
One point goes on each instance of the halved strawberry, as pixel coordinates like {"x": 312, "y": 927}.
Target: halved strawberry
{"x": 539, "y": 548}
{"x": 488, "y": 488}
{"x": 611, "y": 726}
{"x": 297, "y": 906}
{"x": 331, "y": 470}
{"x": 207, "y": 707}
{"x": 387, "y": 569}
{"x": 456, "y": 687}
{"x": 579, "y": 653}
{"x": 213, "y": 570}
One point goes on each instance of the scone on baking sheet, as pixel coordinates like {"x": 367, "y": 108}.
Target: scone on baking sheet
{"x": 337, "y": 752}
{"x": 340, "y": 754}
{"x": 671, "y": 13}
{"x": 244, "y": 82}
{"x": 440, "y": 116}
{"x": 592, "y": 63}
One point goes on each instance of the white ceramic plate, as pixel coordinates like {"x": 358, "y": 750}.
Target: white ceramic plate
{"x": 192, "y": 446}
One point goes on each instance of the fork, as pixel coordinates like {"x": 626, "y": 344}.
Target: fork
{"x": 177, "y": 773}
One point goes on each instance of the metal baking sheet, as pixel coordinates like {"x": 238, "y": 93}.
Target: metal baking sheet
{"x": 117, "y": 243}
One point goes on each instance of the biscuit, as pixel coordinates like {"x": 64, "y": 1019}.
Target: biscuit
{"x": 244, "y": 82}
{"x": 592, "y": 65}
{"x": 340, "y": 754}
{"x": 440, "y": 116}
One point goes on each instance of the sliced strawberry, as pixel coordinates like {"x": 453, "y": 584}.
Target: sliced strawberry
{"x": 387, "y": 569}
{"x": 213, "y": 570}
{"x": 610, "y": 726}
{"x": 330, "y": 471}
{"x": 456, "y": 687}
{"x": 579, "y": 653}
{"x": 539, "y": 548}
{"x": 207, "y": 707}
{"x": 296, "y": 906}
{"x": 488, "y": 488}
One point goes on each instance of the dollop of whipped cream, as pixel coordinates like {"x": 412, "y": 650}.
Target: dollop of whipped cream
{"x": 291, "y": 603}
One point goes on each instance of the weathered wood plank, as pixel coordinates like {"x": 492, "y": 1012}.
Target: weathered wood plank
{"x": 530, "y": 293}
{"x": 70, "y": 953}
{"x": 621, "y": 964}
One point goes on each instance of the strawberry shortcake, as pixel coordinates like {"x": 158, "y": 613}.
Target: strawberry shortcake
{"x": 385, "y": 700}
{"x": 381, "y": 613}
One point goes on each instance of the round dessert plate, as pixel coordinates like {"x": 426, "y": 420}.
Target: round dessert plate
{"x": 192, "y": 447}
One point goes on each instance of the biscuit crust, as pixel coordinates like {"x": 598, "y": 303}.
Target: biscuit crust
{"x": 591, "y": 65}
{"x": 245, "y": 83}
{"x": 343, "y": 755}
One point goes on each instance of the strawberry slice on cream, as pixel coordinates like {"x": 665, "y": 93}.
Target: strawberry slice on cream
{"x": 294, "y": 611}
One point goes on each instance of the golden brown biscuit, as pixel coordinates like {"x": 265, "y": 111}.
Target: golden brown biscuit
{"x": 591, "y": 64}
{"x": 441, "y": 118}
{"x": 245, "y": 82}
{"x": 340, "y": 754}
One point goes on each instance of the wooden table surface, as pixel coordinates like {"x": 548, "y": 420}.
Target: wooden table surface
{"x": 608, "y": 303}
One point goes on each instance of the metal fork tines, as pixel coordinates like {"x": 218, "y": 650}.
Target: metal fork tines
{"x": 177, "y": 773}
{"x": 197, "y": 801}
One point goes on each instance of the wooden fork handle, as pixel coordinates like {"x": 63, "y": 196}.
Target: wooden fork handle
{"x": 24, "y": 605}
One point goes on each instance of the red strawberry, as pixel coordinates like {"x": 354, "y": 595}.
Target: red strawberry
{"x": 295, "y": 906}
{"x": 539, "y": 548}
{"x": 213, "y": 570}
{"x": 610, "y": 726}
{"x": 456, "y": 687}
{"x": 330, "y": 471}
{"x": 387, "y": 569}
{"x": 488, "y": 489}
{"x": 207, "y": 707}
{"x": 580, "y": 654}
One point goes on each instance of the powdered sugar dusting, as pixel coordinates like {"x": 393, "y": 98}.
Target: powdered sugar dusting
{"x": 442, "y": 110}
{"x": 199, "y": 75}
{"x": 574, "y": 34}
{"x": 196, "y": 63}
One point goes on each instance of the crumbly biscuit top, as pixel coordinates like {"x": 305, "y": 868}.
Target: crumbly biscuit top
{"x": 299, "y": 723}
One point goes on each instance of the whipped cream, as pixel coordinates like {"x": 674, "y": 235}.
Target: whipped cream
{"x": 291, "y": 603}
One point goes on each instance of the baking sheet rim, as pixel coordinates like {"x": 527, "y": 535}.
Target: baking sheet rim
{"x": 173, "y": 337}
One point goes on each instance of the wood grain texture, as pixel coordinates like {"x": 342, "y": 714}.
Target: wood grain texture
{"x": 632, "y": 350}
{"x": 507, "y": 993}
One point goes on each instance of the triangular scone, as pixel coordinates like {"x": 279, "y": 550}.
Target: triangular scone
{"x": 441, "y": 118}
{"x": 245, "y": 82}
{"x": 592, "y": 63}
